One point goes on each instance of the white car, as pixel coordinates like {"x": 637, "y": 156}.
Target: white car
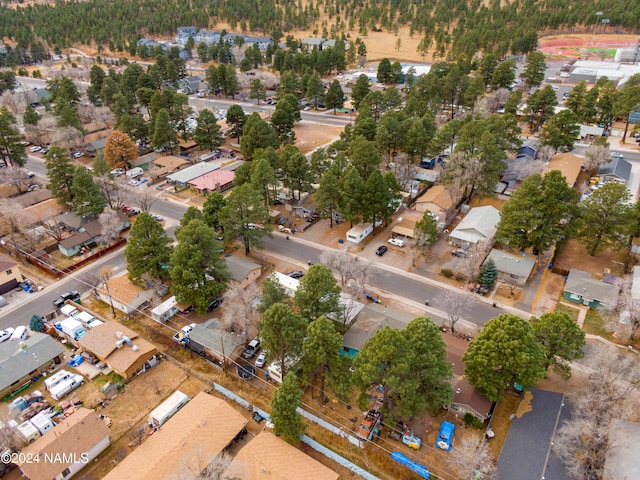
{"x": 262, "y": 359}
{"x": 307, "y": 108}
{"x": 134, "y": 183}
{"x": 396, "y": 241}
{"x": 555, "y": 88}
{"x": 5, "y": 335}
{"x": 616, "y": 155}
{"x": 35, "y": 149}
{"x": 564, "y": 75}
{"x": 156, "y": 217}
{"x": 116, "y": 172}
{"x": 78, "y": 155}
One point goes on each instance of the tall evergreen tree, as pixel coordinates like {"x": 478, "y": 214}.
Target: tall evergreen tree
{"x": 87, "y": 198}
{"x": 287, "y": 422}
{"x": 11, "y": 150}
{"x": 148, "y": 251}
{"x": 207, "y": 133}
{"x": 60, "y": 171}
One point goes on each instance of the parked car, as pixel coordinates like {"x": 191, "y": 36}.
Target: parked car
{"x": 396, "y": 242}
{"x": 73, "y": 295}
{"x": 5, "y": 335}
{"x": 78, "y": 155}
{"x": 616, "y": 155}
{"x": 252, "y": 348}
{"x": 44, "y": 151}
{"x": 262, "y": 359}
{"x": 297, "y": 274}
{"x": 156, "y": 217}
{"x": 116, "y": 172}
{"x": 215, "y": 303}
{"x": 382, "y": 249}
{"x": 132, "y": 211}
{"x": 564, "y": 75}
{"x": 459, "y": 252}
{"x": 35, "y": 149}
{"x": 134, "y": 183}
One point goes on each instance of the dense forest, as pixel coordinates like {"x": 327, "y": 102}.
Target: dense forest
{"x": 459, "y": 27}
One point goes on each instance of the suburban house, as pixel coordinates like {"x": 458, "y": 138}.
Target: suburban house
{"x": 436, "y": 200}
{"x": 73, "y": 443}
{"x": 212, "y": 341}
{"x": 529, "y": 149}
{"x": 568, "y": 164}
{"x": 242, "y": 270}
{"x": 622, "y": 460}
{"x": 181, "y": 178}
{"x": 143, "y": 161}
{"x": 313, "y": 42}
{"x": 217, "y": 180}
{"x": 200, "y": 430}
{"x": 527, "y": 451}
{"x": 582, "y": 288}
{"x": 479, "y": 225}
{"x": 163, "y": 166}
{"x": 466, "y": 398}
{"x": 121, "y": 348}
{"x": 88, "y": 232}
{"x": 332, "y": 43}
{"x": 191, "y": 84}
{"x": 370, "y": 319}
{"x": 513, "y": 268}
{"x": 616, "y": 170}
{"x": 21, "y": 361}
{"x": 268, "y": 453}
{"x": 406, "y": 228}
{"x": 125, "y": 295}
{"x": 261, "y": 41}
{"x": 10, "y": 274}
{"x": 97, "y": 147}
{"x": 31, "y": 198}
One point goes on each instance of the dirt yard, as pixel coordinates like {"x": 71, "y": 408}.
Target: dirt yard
{"x": 574, "y": 253}
{"x": 310, "y": 136}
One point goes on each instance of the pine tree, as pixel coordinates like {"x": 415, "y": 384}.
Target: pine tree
{"x": 287, "y": 422}
{"x": 148, "y": 250}
{"x": 87, "y": 198}
{"x": 207, "y": 133}
{"x": 488, "y": 274}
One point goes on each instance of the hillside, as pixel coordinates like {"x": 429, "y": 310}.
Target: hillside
{"x": 458, "y": 29}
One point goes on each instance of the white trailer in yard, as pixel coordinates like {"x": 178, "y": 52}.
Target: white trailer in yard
{"x": 167, "y": 409}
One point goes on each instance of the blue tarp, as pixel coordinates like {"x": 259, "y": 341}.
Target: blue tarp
{"x": 411, "y": 465}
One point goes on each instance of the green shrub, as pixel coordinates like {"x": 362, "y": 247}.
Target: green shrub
{"x": 447, "y": 273}
{"x": 460, "y": 277}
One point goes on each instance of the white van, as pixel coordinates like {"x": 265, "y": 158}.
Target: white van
{"x": 135, "y": 172}
{"x": 396, "y": 241}
{"x": 20, "y": 333}
{"x": 56, "y": 378}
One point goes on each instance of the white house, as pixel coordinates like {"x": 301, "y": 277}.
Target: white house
{"x": 479, "y": 225}
{"x": 359, "y": 232}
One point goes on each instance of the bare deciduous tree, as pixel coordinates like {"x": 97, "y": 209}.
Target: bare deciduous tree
{"x": 474, "y": 255}
{"x": 12, "y": 220}
{"x": 405, "y": 170}
{"x": 241, "y": 308}
{"x": 16, "y": 177}
{"x": 353, "y": 272}
{"x": 582, "y": 441}
{"x": 525, "y": 168}
{"x": 16, "y": 101}
{"x": 473, "y": 460}
{"x": 110, "y": 225}
{"x": 456, "y": 305}
{"x": 69, "y": 137}
{"x": 627, "y": 323}
{"x": 545, "y": 153}
{"x": 40, "y": 132}
{"x": 142, "y": 196}
{"x": 595, "y": 157}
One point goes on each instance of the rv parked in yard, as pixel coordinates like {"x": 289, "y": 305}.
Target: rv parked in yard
{"x": 359, "y": 232}
{"x": 66, "y": 386}
{"x": 27, "y": 432}
{"x": 167, "y": 409}
{"x": 42, "y": 422}
{"x": 55, "y": 379}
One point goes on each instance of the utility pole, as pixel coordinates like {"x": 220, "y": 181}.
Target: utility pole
{"x": 595, "y": 26}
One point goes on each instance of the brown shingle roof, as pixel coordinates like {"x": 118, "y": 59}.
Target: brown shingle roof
{"x": 270, "y": 457}
{"x": 122, "y": 289}
{"x": 568, "y": 164}
{"x": 77, "y": 434}
{"x": 101, "y": 341}
{"x": 438, "y": 195}
{"x": 199, "y": 431}
{"x": 6, "y": 262}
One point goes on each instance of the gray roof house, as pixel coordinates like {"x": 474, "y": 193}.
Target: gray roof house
{"x": 191, "y": 84}
{"x": 527, "y": 452}
{"x": 582, "y": 288}
{"x": 479, "y": 225}
{"x": 183, "y": 177}
{"x": 616, "y": 170}
{"x": 21, "y": 361}
{"x": 513, "y": 268}
{"x": 210, "y": 340}
{"x": 372, "y": 317}
{"x": 313, "y": 42}
{"x": 184, "y": 33}
{"x": 262, "y": 42}
{"x": 242, "y": 270}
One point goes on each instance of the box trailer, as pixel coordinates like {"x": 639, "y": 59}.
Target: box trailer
{"x": 66, "y": 386}
{"x": 42, "y": 422}
{"x": 167, "y": 409}
{"x": 165, "y": 310}
{"x": 73, "y": 328}
{"x": 134, "y": 172}
{"x": 27, "y": 432}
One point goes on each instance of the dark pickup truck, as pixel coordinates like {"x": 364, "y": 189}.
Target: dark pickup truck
{"x": 73, "y": 295}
